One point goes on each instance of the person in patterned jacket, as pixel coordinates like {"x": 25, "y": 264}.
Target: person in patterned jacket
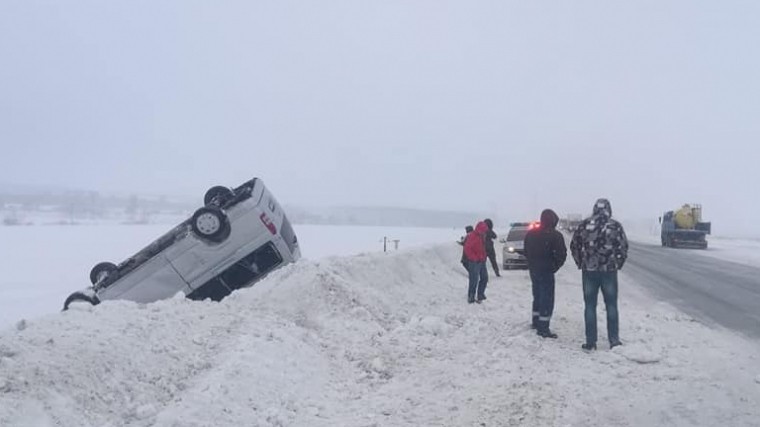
{"x": 600, "y": 248}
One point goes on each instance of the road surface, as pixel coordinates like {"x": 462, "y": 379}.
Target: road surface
{"x": 710, "y": 289}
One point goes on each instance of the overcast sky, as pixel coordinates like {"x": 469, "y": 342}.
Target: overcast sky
{"x": 508, "y": 106}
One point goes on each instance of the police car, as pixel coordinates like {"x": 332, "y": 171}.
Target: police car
{"x": 514, "y": 246}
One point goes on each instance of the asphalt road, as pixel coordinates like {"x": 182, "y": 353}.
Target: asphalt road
{"x": 712, "y": 290}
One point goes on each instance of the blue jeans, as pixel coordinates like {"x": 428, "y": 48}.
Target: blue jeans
{"x": 608, "y": 283}
{"x": 478, "y": 279}
{"x": 543, "y": 298}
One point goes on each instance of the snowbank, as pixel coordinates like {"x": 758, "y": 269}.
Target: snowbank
{"x": 384, "y": 340}
{"x": 66, "y": 255}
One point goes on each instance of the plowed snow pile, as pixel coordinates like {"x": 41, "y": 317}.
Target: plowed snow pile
{"x": 373, "y": 340}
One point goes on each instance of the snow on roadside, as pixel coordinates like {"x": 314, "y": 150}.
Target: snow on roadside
{"x": 742, "y": 251}
{"x": 385, "y": 340}
{"x": 26, "y": 290}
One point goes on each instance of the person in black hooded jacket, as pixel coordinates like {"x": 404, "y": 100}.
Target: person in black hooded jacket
{"x": 546, "y": 253}
{"x": 490, "y": 250}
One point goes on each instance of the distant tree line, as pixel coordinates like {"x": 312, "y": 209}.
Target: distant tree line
{"x": 89, "y": 204}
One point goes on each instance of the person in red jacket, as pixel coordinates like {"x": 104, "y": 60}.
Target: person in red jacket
{"x": 475, "y": 252}
{"x": 467, "y": 230}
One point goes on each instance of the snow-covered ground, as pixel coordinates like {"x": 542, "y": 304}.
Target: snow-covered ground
{"x": 374, "y": 340}
{"x": 41, "y": 265}
{"x": 742, "y": 251}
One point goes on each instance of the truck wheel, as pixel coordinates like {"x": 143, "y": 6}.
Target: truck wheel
{"x": 221, "y": 194}
{"x": 210, "y": 223}
{"x": 101, "y": 271}
{"x": 79, "y": 297}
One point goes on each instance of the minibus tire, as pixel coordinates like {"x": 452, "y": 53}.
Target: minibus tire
{"x": 102, "y": 267}
{"x": 204, "y": 220}
{"x": 79, "y": 296}
{"x": 218, "y": 191}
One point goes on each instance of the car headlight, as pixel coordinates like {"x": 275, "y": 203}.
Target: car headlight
{"x": 511, "y": 249}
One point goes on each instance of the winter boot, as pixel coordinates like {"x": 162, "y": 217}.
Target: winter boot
{"x": 546, "y": 333}
{"x": 542, "y": 329}
{"x": 615, "y": 343}
{"x": 588, "y": 347}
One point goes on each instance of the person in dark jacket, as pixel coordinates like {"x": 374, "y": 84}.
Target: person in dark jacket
{"x": 490, "y": 250}
{"x": 467, "y": 230}
{"x": 546, "y": 252}
{"x": 475, "y": 252}
{"x": 600, "y": 248}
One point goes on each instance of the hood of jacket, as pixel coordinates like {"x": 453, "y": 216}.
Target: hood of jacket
{"x": 481, "y": 228}
{"x": 549, "y": 219}
{"x": 602, "y": 208}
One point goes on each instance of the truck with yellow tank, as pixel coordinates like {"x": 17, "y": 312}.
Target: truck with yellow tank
{"x": 684, "y": 228}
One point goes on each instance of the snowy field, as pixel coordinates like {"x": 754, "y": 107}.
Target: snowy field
{"x": 373, "y": 340}
{"x": 42, "y": 265}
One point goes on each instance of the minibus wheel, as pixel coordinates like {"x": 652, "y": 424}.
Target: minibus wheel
{"x": 210, "y": 223}
{"x": 222, "y": 194}
{"x": 77, "y": 297}
{"x": 101, "y": 271}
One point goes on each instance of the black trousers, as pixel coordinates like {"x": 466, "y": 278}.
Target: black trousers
{"x": 492, "y": 258}
{"x": 543, "y": 298}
